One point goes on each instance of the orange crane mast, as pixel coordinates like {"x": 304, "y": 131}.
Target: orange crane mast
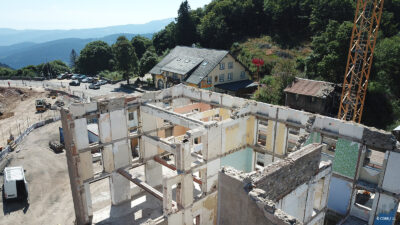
{"x": 362, "y": 44}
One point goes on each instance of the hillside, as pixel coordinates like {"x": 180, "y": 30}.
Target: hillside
{"x": 265, "y": 48}
{"x": 4, "y": 65}
{"x": 11, "y": 36}
{"x": 20, "y": 55}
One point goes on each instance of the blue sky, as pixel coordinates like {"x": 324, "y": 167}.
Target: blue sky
{"x": 72, "y": 14}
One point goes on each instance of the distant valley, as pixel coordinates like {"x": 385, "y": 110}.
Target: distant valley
{"x": 19, "y": 48}
{"x": 28, "y": 53}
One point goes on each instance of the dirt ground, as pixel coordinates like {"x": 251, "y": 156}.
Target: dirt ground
{"x": 50, "y": 199}
{"x": 19, "y": 112}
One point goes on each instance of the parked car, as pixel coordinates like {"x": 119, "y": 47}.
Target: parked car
{"x": 68, "y": 76}
{"x": 94, "y": 86}
{"x": 15, "y": 185}
{"x": 75, "y": 77}
{"x": 87, "y": 80}
{"x": 61, "y": 76}
{"x": 74, "y": 83}
{"x": 81, "y": 77}
{"x": 101, "y": 82}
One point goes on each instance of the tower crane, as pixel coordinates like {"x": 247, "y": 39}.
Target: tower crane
{"x": 362, "y": 44}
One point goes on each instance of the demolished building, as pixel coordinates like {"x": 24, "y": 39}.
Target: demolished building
{"x": 230, "y": 160}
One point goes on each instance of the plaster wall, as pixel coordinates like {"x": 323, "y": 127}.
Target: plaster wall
{"x": 241, "y": 160}
{"x": 391, "y": 180}
{"x": 339, "y": 195}
{"x": 294, "y": 203}
{"x": 386, "y": 210}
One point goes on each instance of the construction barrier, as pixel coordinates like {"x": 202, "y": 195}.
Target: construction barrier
{"x": 7, "y": 149}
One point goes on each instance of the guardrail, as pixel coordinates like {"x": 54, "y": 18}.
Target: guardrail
{"x": 7, "y": 149}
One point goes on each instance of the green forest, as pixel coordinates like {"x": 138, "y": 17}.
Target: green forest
{"x": 303, "y": 38}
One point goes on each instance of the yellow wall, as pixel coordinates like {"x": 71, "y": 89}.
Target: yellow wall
{"x": 236, "y": 70}
{"x": 250, "y": 130}
{"x": 270, "y": 136}
{"x": 224, "y": 113}
{"x": 280, "y": 143}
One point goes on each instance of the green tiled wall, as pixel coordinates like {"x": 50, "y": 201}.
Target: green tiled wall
{"x": 314, "y": 137}
{"x": 346, "y": 155}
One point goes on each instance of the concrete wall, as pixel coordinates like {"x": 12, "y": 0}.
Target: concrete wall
{"x": 283, "y": 177}
{"x": 294, "y": 203}
{"x": 386, "y": 210}
{"x": 235, "y": 206}
{"x": 391, "y": 180}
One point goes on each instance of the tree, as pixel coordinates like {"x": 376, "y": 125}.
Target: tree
{"x": 96, "y": 56}
{"x": 387, "y": 65}
{"x": 125, "y": 57}
{"x": 324, "y": 10}
{"x": 226, "y": 21}
{"x": 141, "y": 44}
{"x": 72, "y": 58}
{"x": 165, "y": 39}
{"x": 289, "y": 20}
{"x": 185, "y": 27}
{"x": 51, "y": 69}
{"x": 283, "y": 74}
{"x": 147, "y": 62}
{"x": 329, "y": 58}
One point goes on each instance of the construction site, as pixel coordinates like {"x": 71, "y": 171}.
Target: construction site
{"x": 184, "y": 155}
{"x": 191, "y": 153}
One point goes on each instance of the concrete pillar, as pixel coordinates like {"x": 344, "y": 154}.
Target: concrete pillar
{"x": 309, "y": 202}
{"x": 167, "y": 193}
{"x": 187, "y": 190}
{"x": 325, "y": 193}
{"x": 153, "y": 173}
{"x": 120, "y": 188}
{"x": 80, "y": 192}
{"x": 152, "y": 169}
{"x": 183, "y": 157}
{"x": 122, "y": 157}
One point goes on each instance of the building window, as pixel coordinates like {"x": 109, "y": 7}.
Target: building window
{"x": 222, "y": 66}
{"x": 209, "y": 80}
{"x": 242, "y": 75}
{"x": 230, "y": 76}
{"x": 131, "y": 116}
{"x": 262, "y": 132}
{"x": 221, "y": 77}
{"x": 167, "y": 73}
{"x": 230, "y": 65}
{"x": 175, "y": 76}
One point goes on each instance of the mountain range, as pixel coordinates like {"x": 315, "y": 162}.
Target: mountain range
{"x": 32, "y": 47}
{"x": 11, "y": 36}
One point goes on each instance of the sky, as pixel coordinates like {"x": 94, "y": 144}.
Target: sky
{"x": 75, "y": 14}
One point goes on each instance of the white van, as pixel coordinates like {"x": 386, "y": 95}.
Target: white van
{"x": 15, "y": 185}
